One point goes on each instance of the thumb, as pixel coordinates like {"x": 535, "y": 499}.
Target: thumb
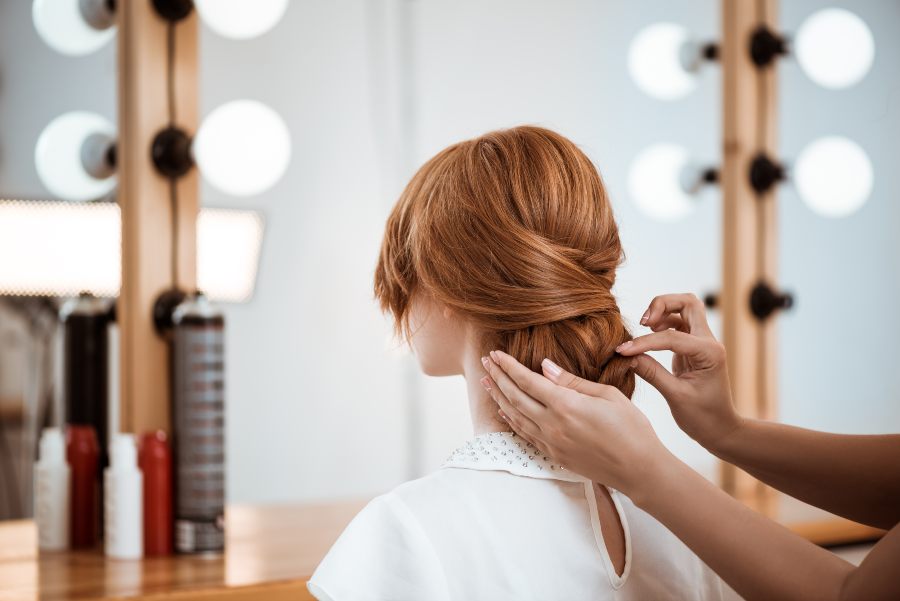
{"x": 561, "y": 377}
{"x": 655, "y": 374}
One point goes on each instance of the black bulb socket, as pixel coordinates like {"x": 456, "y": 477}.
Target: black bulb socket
{"x": 766, "y": 46}
{"x": 164, "y": 310}
{"x": 764, "y": 301}
{"x": 173, "y": 10}
{"x": 765, "y": 173}
{"x": 171, "y": 152}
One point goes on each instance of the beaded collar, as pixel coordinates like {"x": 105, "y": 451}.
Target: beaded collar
{"x": 507, "y": 452}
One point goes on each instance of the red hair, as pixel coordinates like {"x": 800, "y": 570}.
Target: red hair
{"x": 514, "y": 232}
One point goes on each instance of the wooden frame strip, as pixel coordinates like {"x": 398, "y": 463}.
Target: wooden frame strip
{"x": 148, "y": 226}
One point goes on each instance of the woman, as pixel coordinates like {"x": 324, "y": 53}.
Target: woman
{"x": 595, "y": 431}
{"x": 508, "y": 241}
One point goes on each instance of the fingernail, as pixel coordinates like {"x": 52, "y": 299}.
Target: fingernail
{"x": 486, "y": 382}
{"x": 645, "y": 317}
{"x": 552, "y": 368}
{"x": 484, "y": 361}
{"x": 503, "y": 415}
{"x": 623, "y": 346}
{"x": 493, "y": 355}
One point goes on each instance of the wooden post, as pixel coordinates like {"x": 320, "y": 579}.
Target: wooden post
{"x": 148, "y": 222}
{"x": 748, "y": 229}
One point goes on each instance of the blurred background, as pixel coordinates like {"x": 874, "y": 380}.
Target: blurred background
{"x": 321, "y": 401}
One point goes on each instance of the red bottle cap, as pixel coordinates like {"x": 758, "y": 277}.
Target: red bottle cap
{"x": 83, "y": 455}
{"x": 155, "y": 461}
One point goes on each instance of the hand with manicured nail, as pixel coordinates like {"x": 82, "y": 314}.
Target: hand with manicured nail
{"x": 589, "y": 428}
{"x": 697, "y": 389}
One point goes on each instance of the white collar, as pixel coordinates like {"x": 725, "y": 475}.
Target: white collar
{"x": 507, "y": 452}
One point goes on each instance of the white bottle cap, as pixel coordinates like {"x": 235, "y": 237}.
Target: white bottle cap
{"x": 52, "y": 446}
{"x": 123, "y": 452}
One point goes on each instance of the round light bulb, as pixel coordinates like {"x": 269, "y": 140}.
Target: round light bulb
{"x": 835, "y": 48}
{"x": 240, "y": 19}
{"x": 655, "y": 182}
{"x": 655, "y": 61}
{"x": 73, "y": 27}
{"x": 833, "y": 176}
{"x": 243, "y": 147}
{"x": 59, "y": 156}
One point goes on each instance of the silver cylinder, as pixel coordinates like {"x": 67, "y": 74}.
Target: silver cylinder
{"x": 198, "y": 420}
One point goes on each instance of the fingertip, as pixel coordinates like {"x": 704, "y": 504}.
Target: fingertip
{"x": 623, "y": 348}
{"x": 551, "y": 370}
{"x": 487, "y": 383}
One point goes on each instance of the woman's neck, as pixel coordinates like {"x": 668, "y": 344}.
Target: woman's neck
{"x": 482, "y": 407}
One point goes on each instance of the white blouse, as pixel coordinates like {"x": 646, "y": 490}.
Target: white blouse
{"x": 499, "y": 522}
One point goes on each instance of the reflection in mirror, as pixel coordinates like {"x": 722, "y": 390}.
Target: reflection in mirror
{"x": 58, "y": 88}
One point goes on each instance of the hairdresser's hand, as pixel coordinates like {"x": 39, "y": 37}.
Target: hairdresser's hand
{"x": 591, "y": 429}
{"x": 698, "y": 390}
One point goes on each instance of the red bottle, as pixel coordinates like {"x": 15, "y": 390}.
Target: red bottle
{"x": 155, "y": 461}
{"x": 83, "y": 455}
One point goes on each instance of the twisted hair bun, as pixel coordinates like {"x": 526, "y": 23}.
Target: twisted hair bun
{"x": 514, "y": 231}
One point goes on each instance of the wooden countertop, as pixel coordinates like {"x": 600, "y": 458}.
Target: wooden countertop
{"x": 271, "y": 553}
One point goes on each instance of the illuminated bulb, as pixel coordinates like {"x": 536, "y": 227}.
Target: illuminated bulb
{"x": 73, "y": 158}
{"x": 243, "y": 147}
{"x": 74, "y": 27}
{"x": 241, "y": 19}
{"x": 835, "y": 48}
{"x": 833, "y": 176}
{"x": 656, "y": 61}
{"x": 656, "y": 182}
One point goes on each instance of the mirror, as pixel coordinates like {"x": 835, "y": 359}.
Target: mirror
{"x": 49, "y": 94}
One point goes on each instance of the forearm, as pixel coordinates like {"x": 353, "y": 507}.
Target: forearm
{"x": 757, "y": 557}
{"x": 855, "y": 476}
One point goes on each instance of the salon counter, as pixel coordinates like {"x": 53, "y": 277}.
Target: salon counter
{"x": 272, "y": 551}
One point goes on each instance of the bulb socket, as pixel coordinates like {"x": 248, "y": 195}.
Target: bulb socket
{"x": 766, "y": 46}
{"x": 764, "y": 301}
{"x": 171, "y": 152}
{"x": 173, "y": 10}
{"x": 765, "y": 173}
{"x": 164, "y": 310}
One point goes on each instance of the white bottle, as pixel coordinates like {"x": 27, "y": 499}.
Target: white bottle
{"x": 123, "y": 505}
{"x": 51, "y": 492}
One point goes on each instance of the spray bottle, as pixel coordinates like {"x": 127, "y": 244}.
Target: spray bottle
{"x": 198, "y": 420}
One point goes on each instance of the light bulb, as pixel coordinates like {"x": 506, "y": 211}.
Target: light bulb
{"x": 655, "y": 61}
{"x": 243, "y": 147}
{"x": 67, "y": 155}
{"x": 241, "y": 19}
{"x": 74, "y": 27}
{"x": 655, "y": 182}
{"x": 833, "y": 176}
{"x": 835, "y": 48}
